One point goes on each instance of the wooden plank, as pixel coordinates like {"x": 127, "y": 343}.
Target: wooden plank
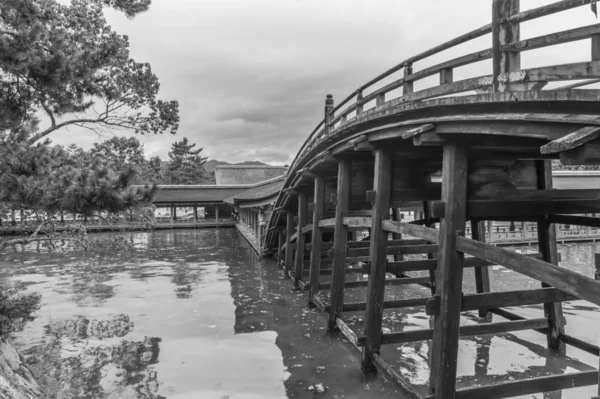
{"x": 319, "y": 304}
{"x": 467, "y": 59}
{"x": 317, "y": 238}
{"x": 289, "y": 252}
{"x": 300, "y": 240}
{"x": 425, "y": 233}
{"x": 505, "y": 298}
{"x": 547, "y": 245}
{"x": 586, "y": 154}
{"x": 403, "y": 384}
{"x": 307, "y": 229}
{"x": 581, "y": 344}
{"x": 327, "y": 223}
{"x": 328, "y": 272}
{"x": 482, "y": 274}
{"x": 389, "y": 281}
{"x": 340, "y": 239}
{"x": 573, "y": 71}
{"x": 356, "y": 221}
{"x": 408, "y": 248}
{"x": 449, "y": 273}
{"x": 466, "y": 331}
{"x": 393, "y": 304}
{"x": 572, "y": 140}
{"x": 578, "y": 84}
{"x": 346, "y": 331}
{"x": 563, "y": 279}
{"x": 566, "y": 36}
{"x": 500, "y": 208}
{"x": 418, "y": 130}
{"x": 530, "y": 386}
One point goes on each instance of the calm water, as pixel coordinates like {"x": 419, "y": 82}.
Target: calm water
{"x": 190, "y": 314}
{"x": 193, "y": 314}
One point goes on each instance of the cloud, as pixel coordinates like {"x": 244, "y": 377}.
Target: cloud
{"x": 251, "y": 77}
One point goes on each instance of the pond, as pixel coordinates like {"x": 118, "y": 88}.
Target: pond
{"x": 193, "y": 314}
{"x": 188, "y": 314}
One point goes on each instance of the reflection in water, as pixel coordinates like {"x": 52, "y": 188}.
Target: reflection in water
{"x": 189, "y": 314}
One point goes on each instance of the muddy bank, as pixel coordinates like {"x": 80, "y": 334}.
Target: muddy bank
{"x": 16, "y": 380}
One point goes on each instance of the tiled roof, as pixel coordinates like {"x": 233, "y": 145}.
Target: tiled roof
{"x": 264, "y": 190}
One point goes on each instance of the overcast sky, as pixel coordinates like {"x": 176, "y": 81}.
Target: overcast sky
{"x": 251, "y": 75}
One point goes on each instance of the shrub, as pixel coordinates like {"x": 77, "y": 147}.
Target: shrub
{"x": 16, "y": 310}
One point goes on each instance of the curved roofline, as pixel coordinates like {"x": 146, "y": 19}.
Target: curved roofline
{"x": 250, "y": 167}
{"x": 220, "y": 186}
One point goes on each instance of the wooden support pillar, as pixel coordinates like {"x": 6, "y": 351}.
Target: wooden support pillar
{"x": 449, "y": 273}
{"x": 547, "y": 245}
{"x": 217, "y": 213}
{"x": 597, "y": 266}
{"x": 280, "y": 242}
{"x": 340, "y": 240}
{"x": 289, "y": 229}
{"x": 174, "y": 212}
{"x": 300, "y": 240}
{"x": 195, "y": 213}
{"x": 482, "y": 274}
{"x": 429, "y": 223}
{"x": 317, "y": 238}
{"x": 378, "y": 255}
{"x": 396, "y": 216}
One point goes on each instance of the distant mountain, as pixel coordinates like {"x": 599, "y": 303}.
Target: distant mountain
{"x": 211, "y": 165}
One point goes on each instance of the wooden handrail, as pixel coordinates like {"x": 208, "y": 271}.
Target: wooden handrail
{"x": 564, "y": 279}
{"x": 425, "y": 233}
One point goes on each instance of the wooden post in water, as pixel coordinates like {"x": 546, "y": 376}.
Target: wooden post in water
{"x": 317, "y": 238}
{"x": 429, "y": 223}
{"x": 340, "y": 240}
{"x": 397, "y": 216}
{"x": 300, "y": 239}
{"x": 377, "y": 253}
{"x": 547, "y": 245}
{"x": 449, "y": 273}
{"x": 482, "y": 274}
{"x": 289, "y": 229}
{"x": 280, "y": 242}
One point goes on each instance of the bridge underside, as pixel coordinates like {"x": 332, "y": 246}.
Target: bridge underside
{"x": 456, "y": 162}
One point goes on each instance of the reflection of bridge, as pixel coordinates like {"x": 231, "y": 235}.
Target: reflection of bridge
{"x": 379, "y": 152}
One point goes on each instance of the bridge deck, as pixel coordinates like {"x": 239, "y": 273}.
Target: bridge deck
{"x": 472, "y": 150}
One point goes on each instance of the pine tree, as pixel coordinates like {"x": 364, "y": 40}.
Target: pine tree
{"x": 186, "y": 166}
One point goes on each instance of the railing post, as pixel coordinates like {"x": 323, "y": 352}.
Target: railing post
{"x": 317, "y": 238}
{"x": 380, "y": 99}
{"x": 328, "y": 113}
{"x": 449, "y": 273}
{"x": 340, "y": 241}
{"x": 446, "y": 76}
{"x": 359, "y": 105}
{"x": 482, "y": 274}
{"x": 503, "y": 33}
{"x": 407, "y": 88}
{"x": 596, "y": 48}
{"x": 300, "y": 238}
{"x": 377, "y": 254}
{"x": 547, "y": 245}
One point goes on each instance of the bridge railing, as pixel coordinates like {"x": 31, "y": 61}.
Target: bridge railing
{"x": 506, "y": 74}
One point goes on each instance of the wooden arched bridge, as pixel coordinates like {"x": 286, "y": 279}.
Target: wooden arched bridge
{"x": 464, "y": 151}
